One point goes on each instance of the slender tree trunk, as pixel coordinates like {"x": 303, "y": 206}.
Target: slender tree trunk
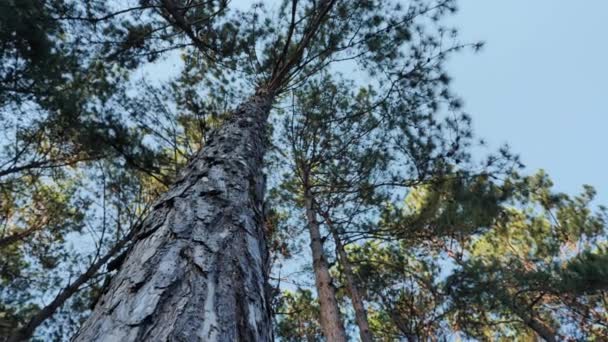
{"x": 351, "y": 285}
{"x": 331, "y": 322}
{"x": 198, "y": 271}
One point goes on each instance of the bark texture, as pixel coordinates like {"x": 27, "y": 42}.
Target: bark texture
{"x": 198, "y": 271}
{"x": 331, "y": 322}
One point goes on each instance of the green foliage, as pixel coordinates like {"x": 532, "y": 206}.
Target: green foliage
{"x": 400, "y": 285}
{"x": 77, "y": 171}
{"x": 88, "y": 145}
{"x": 535, "y": 267}
{"x": 587, "y": 273}
{"x": 455, "y": 206}
{"x": 297, "y": 317}
{"x": 508, "y": 260}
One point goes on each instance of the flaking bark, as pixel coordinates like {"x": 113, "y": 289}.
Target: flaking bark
{"x": 198, "y": 271}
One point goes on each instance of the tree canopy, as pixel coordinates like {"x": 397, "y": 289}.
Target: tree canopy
{"x": 416, "y": 231}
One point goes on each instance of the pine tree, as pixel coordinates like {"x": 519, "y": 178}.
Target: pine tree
{"x": 524, "y": 262}
{"x": 207, "y": 230}
{"x": 537, "y": 268}
{"x": 348, "y": 152}
{"x": 164, "y": 179}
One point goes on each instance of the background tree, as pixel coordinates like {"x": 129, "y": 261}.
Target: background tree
{"x": 537, "y": 270}
{"x": 345, "y": 158}
{"x": 512, "y": 264}
{"x": 349, "y": 151}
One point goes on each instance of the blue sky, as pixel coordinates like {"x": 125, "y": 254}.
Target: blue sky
{"x": 540, "y": 84}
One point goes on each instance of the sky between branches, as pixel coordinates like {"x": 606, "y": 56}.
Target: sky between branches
{"x": 538, "y": 84}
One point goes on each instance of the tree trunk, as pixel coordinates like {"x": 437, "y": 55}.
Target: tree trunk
{"x": 198, "y": 269}
{"x": 331, "y": 322}
{"x": 351, "y": 285}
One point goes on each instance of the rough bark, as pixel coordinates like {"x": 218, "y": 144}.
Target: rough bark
{"x": 351, "y": 285}
{"x": 198, "y": 271}
{"x": 331, "y": 322}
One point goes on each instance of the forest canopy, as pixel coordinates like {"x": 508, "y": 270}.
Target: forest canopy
{"x": 291, "y": 170}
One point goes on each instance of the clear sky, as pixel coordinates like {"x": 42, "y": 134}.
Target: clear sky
{"x": 540, "y": 84}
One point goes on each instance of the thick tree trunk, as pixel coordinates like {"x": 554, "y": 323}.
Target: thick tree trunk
{"x": 198, "y": 271}
{"x": 331, "y": 322}
{"x": 351, "y": 284}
